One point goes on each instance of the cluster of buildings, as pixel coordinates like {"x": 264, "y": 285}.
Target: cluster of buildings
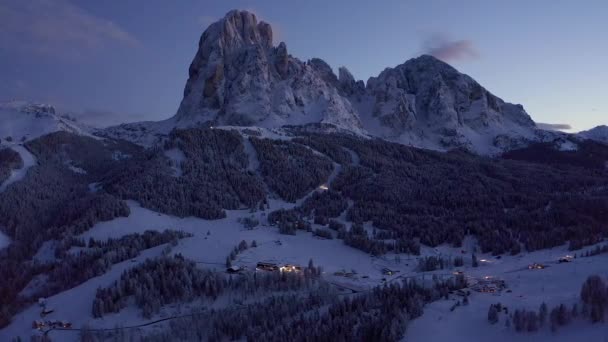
{"x": 51, "y": 324}
{"x": 48, "y": 324}
{"x": 269, "y": 267}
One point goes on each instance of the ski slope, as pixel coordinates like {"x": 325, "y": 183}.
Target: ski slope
{"x": 16, "y": 175}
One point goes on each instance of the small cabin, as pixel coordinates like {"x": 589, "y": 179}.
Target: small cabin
{"x": 267, "y": 266}
{"x": 536, "y": 266}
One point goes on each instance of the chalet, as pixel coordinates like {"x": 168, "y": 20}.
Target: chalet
{"x": 290, "y": 268}
{"x": 565, "y": 259}
{"x": 267, "y": 266}
{"x": 388, "y": 271}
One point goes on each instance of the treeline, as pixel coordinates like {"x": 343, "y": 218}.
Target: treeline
{"x": 214, "y": 176}
{"x": 289, "y": 169}
{"x": 592, "y": 306}
{"x": 9, "y": 160}
{"x": 441, "y": 197}
{"x": 433, "y": 263}
{"x": 336, "y": 152}
{"x": 52, "y": 203}
{"x": 381, "y": 314}
{"x": 291, "y": 220}
{"x": 74, "y": 268}
{"x": 165, "y": 280}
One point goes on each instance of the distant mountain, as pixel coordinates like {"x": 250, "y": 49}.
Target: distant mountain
{"x": 23, "y": 121}
{"x": 599, "y": 133}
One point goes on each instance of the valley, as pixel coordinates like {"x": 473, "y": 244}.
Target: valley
{"x": 285, "y": 202}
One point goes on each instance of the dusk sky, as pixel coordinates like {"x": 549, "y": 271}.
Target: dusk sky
{"x": 121, "y": 61}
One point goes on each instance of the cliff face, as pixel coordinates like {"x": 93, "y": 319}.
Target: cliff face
{"x": 238, "y": 77}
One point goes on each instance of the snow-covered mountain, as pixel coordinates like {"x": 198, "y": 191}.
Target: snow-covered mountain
{"x": 239, "y": 78}
{"x": 599, "y": 133}
{"x": 428, "y": 103}
{"x": 23, "y": 121}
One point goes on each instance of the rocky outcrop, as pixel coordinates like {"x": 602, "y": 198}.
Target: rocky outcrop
{"x": 239, "y": 78}
{"x": 426, "y": 100}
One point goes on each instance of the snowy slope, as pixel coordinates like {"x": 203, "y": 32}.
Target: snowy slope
{"x": 427, "y": 103}
{"x": 16, "y": 175}
{"x": 22, "y": 121}
{"x": 554, "y": 285}
{"x": 599, "y": 133}
{"x": 4, "y": 240}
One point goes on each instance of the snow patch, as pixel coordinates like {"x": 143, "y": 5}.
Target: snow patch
{"x": 5, "y": 240}
{"x": 16, "y": 175}
{"x": 176, "y": 158}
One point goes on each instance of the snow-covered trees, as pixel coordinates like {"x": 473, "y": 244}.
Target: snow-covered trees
{"x": 165, "y": 280}
{"x": 594, "y": 295}
{"x": 381, "y": 314}
{"x": 594, "y": 298}
{"x": 437, "y": 197}
{"x": 291, "y": 170}
{"x": 214, "y": 176}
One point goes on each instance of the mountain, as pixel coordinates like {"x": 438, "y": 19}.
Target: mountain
{"x": 426, "y": 102}
{"x": 599, "y": 133}
{"x": 239, "y": 78}
{"x": 23, "y": 121}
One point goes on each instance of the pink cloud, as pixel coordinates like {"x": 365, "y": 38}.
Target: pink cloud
{"x": 440, "y": 46}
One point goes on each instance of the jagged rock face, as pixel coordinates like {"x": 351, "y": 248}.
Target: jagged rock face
{"x": 238, "y": 78}
{"x": 426, "y": 97}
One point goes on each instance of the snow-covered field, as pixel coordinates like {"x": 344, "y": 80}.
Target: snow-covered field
{"x": 554, "y": 285}
{"x": 213, "y": 241}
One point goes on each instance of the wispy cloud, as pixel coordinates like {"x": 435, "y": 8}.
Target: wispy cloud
{"x": 441, "y": 46}
{"x": 553, "y": 127}
{"x": 57, "y": 28}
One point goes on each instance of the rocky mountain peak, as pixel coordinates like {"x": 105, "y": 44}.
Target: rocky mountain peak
{"x": 238, "y": 77}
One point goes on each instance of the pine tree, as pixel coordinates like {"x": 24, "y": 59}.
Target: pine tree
{"x": 492, "y": 314}
{"x": 542, "y": 314}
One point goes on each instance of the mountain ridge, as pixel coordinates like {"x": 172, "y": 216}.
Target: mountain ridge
{"x": 238, "y": 77}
